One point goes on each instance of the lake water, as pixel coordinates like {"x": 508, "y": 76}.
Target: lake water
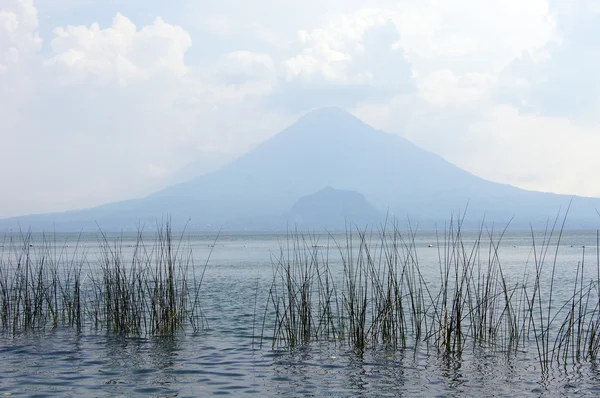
{"x": 227, "y": 358}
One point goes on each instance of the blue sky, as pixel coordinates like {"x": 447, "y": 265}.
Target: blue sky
{"x": 106, "y": 100}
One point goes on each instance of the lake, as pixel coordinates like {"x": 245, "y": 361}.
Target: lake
{"x": 236, "y": 354}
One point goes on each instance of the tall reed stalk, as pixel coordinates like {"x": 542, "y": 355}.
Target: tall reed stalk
{"x": 152, "y": 290}
{"x": 375, "y": 293}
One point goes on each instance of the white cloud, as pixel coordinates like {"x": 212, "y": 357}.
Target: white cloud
{"x": 565, "y": 83}
{"x": 507, "y": 90}
{"x": 352, "y": 58}
{"x": 18, "y": 24}
{"x": 456, "y": 50}
{"x": 464, "y": 45}
{"x": 120, "y": 52}
{"x": 496, "y": 31}
{"x": 328, "y": 52}
{"x": 103, "y": 116}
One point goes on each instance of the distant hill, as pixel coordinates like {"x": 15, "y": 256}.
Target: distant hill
{"x": 333, "y": 209}
{"x": 327, "y": 147}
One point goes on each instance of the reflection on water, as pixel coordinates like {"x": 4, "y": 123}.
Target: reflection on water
{"x": 226, "y": 358}
{"x": 63, "y": 362}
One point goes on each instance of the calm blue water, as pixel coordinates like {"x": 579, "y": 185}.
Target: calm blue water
{"x": 227, "y": 358}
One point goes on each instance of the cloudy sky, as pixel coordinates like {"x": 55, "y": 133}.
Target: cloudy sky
{"x": 102, "y": 100}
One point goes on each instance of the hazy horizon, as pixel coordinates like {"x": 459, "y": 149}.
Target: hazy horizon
{"x": 107, "y": 101}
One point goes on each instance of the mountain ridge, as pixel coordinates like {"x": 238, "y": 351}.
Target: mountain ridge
{"x": 326, "y": 147}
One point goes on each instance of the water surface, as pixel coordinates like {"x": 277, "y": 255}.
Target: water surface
{"x": 230, "y": 358}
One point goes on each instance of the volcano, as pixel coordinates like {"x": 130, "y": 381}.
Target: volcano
{"x": 327, "y": 148}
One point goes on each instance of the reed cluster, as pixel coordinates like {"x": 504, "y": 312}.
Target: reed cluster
{"x": 152, "y": 290}
{"x": 370, "y": 290}
{"x": 367, "y": 289}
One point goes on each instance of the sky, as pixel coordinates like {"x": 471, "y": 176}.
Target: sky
{"x": 104, "y": 100}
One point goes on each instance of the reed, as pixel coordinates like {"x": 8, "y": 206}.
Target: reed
{"x": 302, "y": 293}
{"x": 153, "y": 290}
{"x": 376, "y": 292}
{"x": 367, "y": 289}
{"x": 32, "y": 292}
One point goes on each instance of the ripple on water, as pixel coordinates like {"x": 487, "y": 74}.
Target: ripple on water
{"x": 198, "y": 365}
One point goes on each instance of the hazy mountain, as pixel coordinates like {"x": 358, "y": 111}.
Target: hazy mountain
{"x": 205, "y": 162}
{"x": 333, "y": 209}
{"x": 327, "y": 147}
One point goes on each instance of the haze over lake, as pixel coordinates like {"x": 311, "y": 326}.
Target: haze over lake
{"x": 353, "y": 174}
